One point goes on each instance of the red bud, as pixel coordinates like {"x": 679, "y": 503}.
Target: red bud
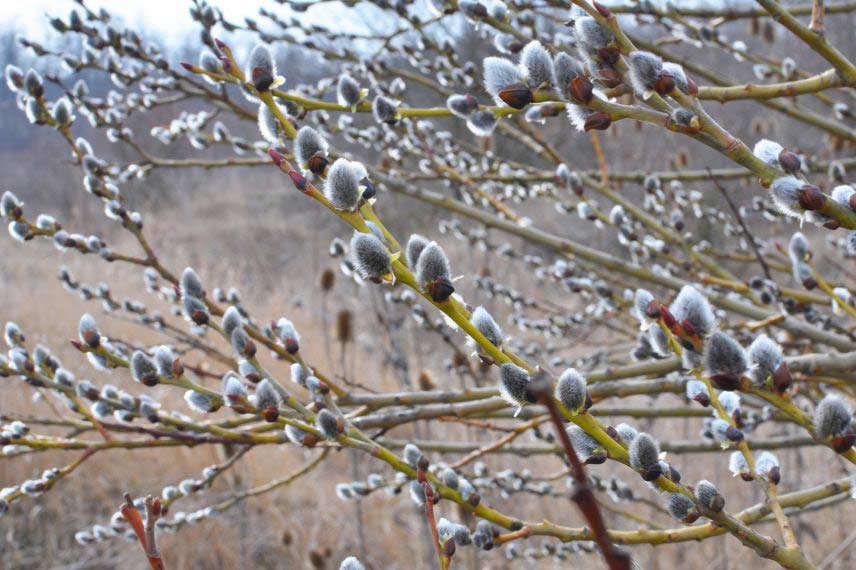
{"x": 600, "y": 121}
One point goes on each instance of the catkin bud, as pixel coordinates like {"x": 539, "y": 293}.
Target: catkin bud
{"x": 697, "y": 390}
{"x": 33, "y": 84}
{"x": 482, "y": 123}
{"x": 766, "y": 362}
{"x": 626, "y": 432}
{"x": 725, "y": 361}
{"x": 10, "y": 205}
{"x": 571, "y": 390}
{"x": 645, "y": 456}
{"x": 242, "y": 344}
{"x": 832, "y": 417}
{"x": 62, "y": 112}
{"x": 87, "y": 331}
{"x": 433, "y": 273}
{"x": 191, "y": 286}
{"x": 267, "y": 400}
{"x": 692, "y": 308}
{"x": 536, "y": 63}
{"x": 202, "y": 403}
{"x": 234, "y": 390}
{"x": 143, "y": 369}
{"x": 269, "y": 126}
{"x": 786, "y": 192}
{"x": 565, "y": 70}
{"x": 682, "y": 508}
{"x": 767, "y": 466}
{"x": 708, "y": 496}
{"x": 486, "y": 325}
{"x": 329, "y": 424}
{"x": 232, "y": 320}
{"x": 310, "y": 149}
{"x": 586, "y": 447}
{"x": 514, "y": 385}
{"x": 384, "y": 110}
{"x": 351, "y": 563}
{"x": 738, "y": 466}
{"x": 370, "y": 256}
{"x": 288, "y": 335}
{"x": 342, "y": 186}
{"x": 14, "y": 78}
{"x": 414, "y": 248}
{"x": 347, "y": 91}
{"x": 505, "y": 83}
{"x": 261, "y": 69}
{"x": 412, "y": 455}
{"x": 646, "y": 70}
{"x": 462, "y": 105}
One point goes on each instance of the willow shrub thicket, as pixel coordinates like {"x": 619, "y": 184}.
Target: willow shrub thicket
{"x": 722, "y": 293}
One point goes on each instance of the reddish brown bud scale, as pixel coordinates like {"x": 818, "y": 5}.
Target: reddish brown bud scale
{"x": 665, "y": 84}
{"x": 600, "y": 121}
{"x": 602, "y": 10}
{"x": 692, "y": 87}
{"x": 789, "y": 161}
{"x": 727, "y": 382}
{"x": 667, "y": 317}
{"x": 299, "y": 180}
{"x": 774, "y": 475}
{"x": 843, "y": 442}
{"x": 440, "y": 290}
{"x": 318, "y": 164}
{"x": 581, "y": 89}
{"x": 609, "y": 55}
{"x": 516, "y": 96}
{"x": 812, "y": 198}
{"x": 652, "y": 311}
{"x": 782, "y": 378}
{"x": 188, "y": 66}
{"x": 270, "y": 415}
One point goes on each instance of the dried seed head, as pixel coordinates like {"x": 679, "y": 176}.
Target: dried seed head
{"x": 486, "y": 325}
{"x": 708, "y": 496}
{"x": 462, "y": 105}
{"x": 62, "y": 112}
{"x": 87, "y": 331}
{"x": 347, "y": 91}
{"x": 514, "y": 385}
{"x": 143, "y": 369}
{"x": 725, "y": 360}
{"x": 342, "y": 186}
{"x": 693, "y": 307}
{"x": 269, "y": 126}
{"x": 536, "y": 63}
{"x": 482, "y": 123}
{"x": 414, "y": 248}
{"x": 328, "y": 423}
{"x": 832, "y": 417}
{"x": 645, "y": 455}
{"x": 369, "y": 256}
{"x": 384, "y": 110}
{"x": 571, "y": 390}
{"x": 586, "y": 447}
{"x": 433, "y": 273}
{"x": 565, "y": 69}
{"x": 645, "y": 70}
{"x": 202, "y": 403}
{"x": 765, "y": 358}
{"x": 261, "y": 69}
{"x": 682, "y": 508}
{"x": 351, "y": 563}
{"x": 500, "y": 75}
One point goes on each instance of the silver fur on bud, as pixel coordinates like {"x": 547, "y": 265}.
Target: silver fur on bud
{"x": 347, "y": 91}
{"x": 143, "y": 369}
{"x": 832, "y": 417}
{"x": 724, "y": 355}
{"x": 486, "y": 325}
{"x": 571, "y": 390}
{"x": 342, "y": 186}
{"x": 269, "y": 126}
{"x": 680, "y": 506}
{"x": 765, "y": 357}
{"x": 586, "y": 447}
{"x": 432, "y": 266}
{"x": 328, "y": 423}
{"x": 482, "y": 123}
{"x": 692, "y": 306}
{"x": 645, "y": 69}
{"x": 351, "y": 563}
{"x": 500, "y": 73}
{"x": 536, "y": 63}
{"x": 462, "y": 105}
{"x": 307, "y": 144}
{"x": 514, "y": 385}
{"x": 370, "y": 256}
{"x": 786, "y": 195}
{"x": 384, "y": 110}
{"x": 191, "y": 286}
{"x": 565, "y": 69}
{"x": 644, "y": 452}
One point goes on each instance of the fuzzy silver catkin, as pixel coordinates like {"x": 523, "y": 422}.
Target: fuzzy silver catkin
{"x": 578, "y": 115}
{"x": 267, "y": 396}
{"x": 143, "y": 368}
{"x": 591, "y": 35}
{"x": 328, "y": 423}
{"x": 681, "y": 81}
{"x": 9, "y": 203}
{"x": 462, "y": 105}
{"x": 584, "y": 445}
{"x": 432, "y": 265}
{"x": 200, "y": 402}
{"x": 500, "y": 73}
{"x": 232, "y": 320}
{"x": 33, "y": 83}
{"x": 832, "y": 417}
{"x": 411, "y": 455}
{"x": 627, "y": 432}
{"x": 269, "y": 126}
{"x": 233, "y": 389}
{"x": 191, "y": 285}
{"x": 260, "y": 63}
{"x": 486, "y": 325}
{"x": 370, "y": 256}
{"x": 645, "y": 69}
{"x": 644, "y": 452}
{"x": 565, "y": 69}
{"x": 571, "y": 390}
{"x": 87, "y": 331}
{"x": 241, "y": 343}
{"x": 288, "y": 335}
{"x": 307, "y": 144}
{"x": 62, "y": 112}
{"x": 764, "y": 463}
{"x": 513, "y": 384}
{"x": 210, "y": 63}
{"x": 536, "y": 63}
{"x": 384, "y": 110}
{"x": 691, "y": 305}
{"x": 641, "y": 301}
{"x": 680, "y": 506}
{"x": 768, "y": 151}
{"x": 482, "y": 123}
{"x": 798, "y": 248}
{"x": 765, "y": 357}
{"x": 351, "y": 563}
{"x": 724, "y": 355}
{"x": 342, "y": 186}
{"x": 786, "y": 195}
{"x": 843, "y": 194}
{"x": 347, "y": 91}
{"x": 14, "y": 77}
{"x": 164, "y": 359}
{"x": 706, "y": 493}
